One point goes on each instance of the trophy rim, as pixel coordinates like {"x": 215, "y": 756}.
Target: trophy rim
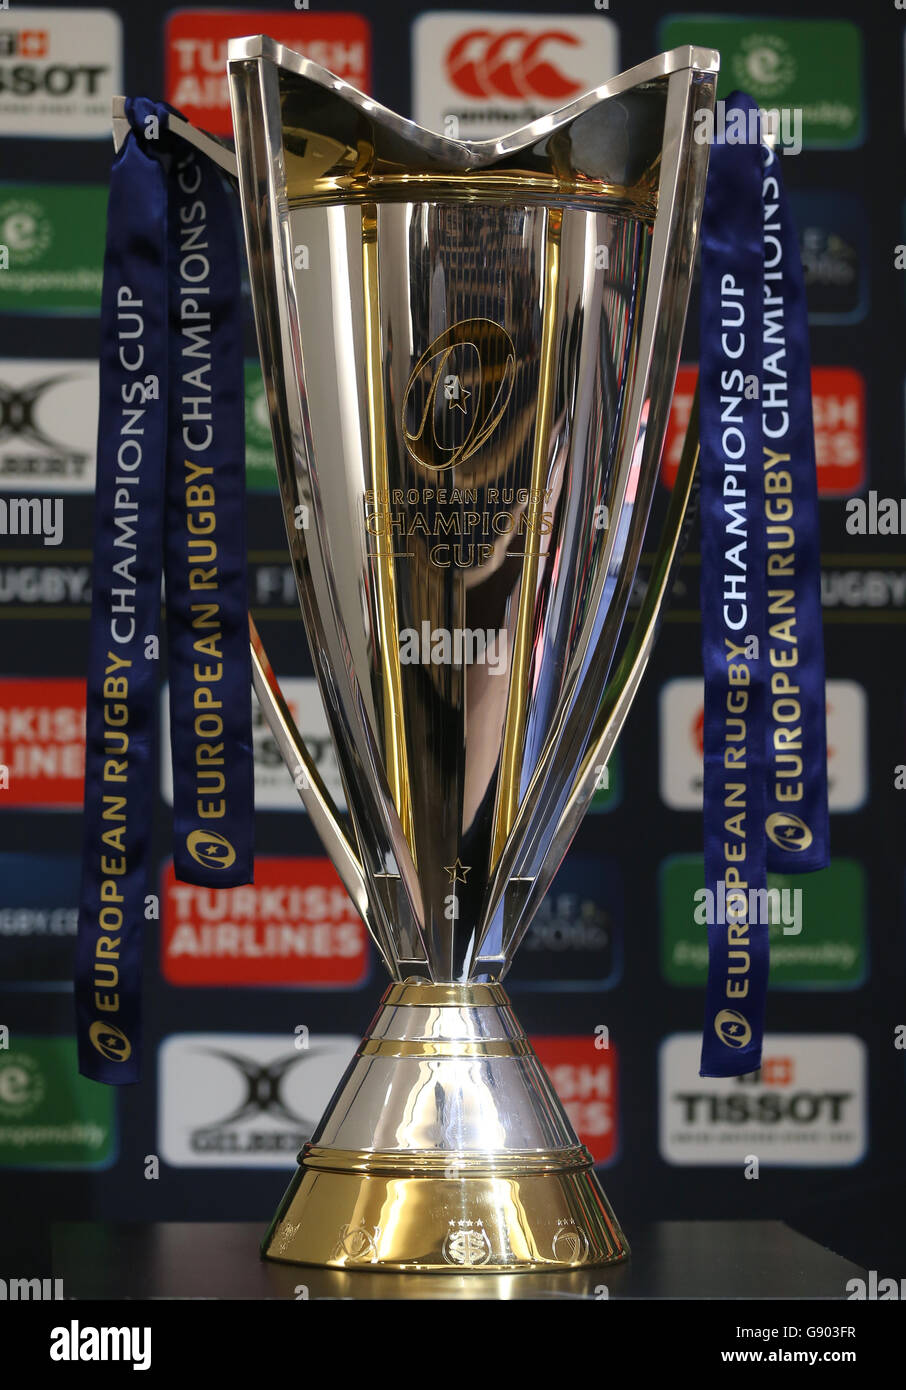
{"x": 472, "y": 154}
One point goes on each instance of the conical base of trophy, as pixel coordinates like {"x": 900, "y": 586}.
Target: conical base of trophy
{"x": 445, "y": 1150}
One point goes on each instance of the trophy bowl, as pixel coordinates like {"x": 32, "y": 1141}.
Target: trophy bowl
{"x": 469, "y": 352}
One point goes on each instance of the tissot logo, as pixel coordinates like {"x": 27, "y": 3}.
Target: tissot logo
{"x": 48, "y": 425}
{"x": 59, "y": 70}
{"x": 196, "y": 54}
{"x": 479, "y": 74}
{"x": 24, "y": 43}
{"x": 245, "y": 1100}
{"x": 806, "y": 1107}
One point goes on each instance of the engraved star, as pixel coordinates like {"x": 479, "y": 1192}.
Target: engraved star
{"x": 459, "y": 402}
{"x": 458, "y": 871}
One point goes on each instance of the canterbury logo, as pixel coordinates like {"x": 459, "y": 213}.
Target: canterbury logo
{"x": 512, "y": 64}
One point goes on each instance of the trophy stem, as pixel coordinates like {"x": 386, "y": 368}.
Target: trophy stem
{"x": 445, "y": 1149}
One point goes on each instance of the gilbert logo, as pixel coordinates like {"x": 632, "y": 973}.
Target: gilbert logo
{"x": 788, "y": 832}
{"x": 48, "y": 425}
{"x": 478, "y": 74}
{"x": 111, "y": 1042}
{"x": 458, "y": 392}
{"x": 211, "y": 850}
{"x": 77, "y": 1343}
{"x": 245, "y": 1100}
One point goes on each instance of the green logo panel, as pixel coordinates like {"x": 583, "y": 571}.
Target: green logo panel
{"x": 811, "y": 64}
{"x": 829, "y": 952}
{"x": 50, "y": 1117}
{"x": 260, "y": 465}
{"x": 53, "y": 235}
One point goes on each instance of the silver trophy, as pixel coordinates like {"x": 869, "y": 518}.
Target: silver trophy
{"x": 469, "y": 351}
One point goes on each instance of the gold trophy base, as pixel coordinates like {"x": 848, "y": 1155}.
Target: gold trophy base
{"x": 442, "y": 1061}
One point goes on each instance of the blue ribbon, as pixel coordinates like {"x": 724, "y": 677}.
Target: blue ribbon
{"x": 733, "y": 608}
{"x": 797, "y": 812}
{"x": 765, "y": 781}
{"x": 141, "y": 491}
{"x": 207, "y": 596}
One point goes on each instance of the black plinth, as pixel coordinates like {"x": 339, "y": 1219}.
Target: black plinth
{"x": 670, "y": 1259}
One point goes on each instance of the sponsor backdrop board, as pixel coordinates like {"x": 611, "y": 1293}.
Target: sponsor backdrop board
{"x": 256, "y": 996}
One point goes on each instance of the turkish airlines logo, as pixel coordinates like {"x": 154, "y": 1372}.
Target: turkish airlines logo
{"x": 196, "y": 54}
{"x": 838, "y": 406}
{"x": 42, "y": 743}
{"x": 516, "y": 63}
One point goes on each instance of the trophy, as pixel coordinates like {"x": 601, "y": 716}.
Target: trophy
{"x": 469, "y": 351}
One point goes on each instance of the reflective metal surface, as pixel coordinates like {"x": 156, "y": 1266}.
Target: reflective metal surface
{"x": 444, "y": 1148}
{"x": 469, "y": 352}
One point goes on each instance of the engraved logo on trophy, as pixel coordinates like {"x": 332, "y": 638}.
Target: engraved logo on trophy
{"x": 569, "y": 1245}
{"x": 466, "y": 1244}
{"x": 357, "y": 1243}
{"x": 458, "y": 392}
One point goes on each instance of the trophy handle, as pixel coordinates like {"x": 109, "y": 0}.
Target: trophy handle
{"x": 621, "y": 690}
{"x": 620, "y": 693}
{"x": 218, "y": 153}
{"x": 317, "y": 800}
